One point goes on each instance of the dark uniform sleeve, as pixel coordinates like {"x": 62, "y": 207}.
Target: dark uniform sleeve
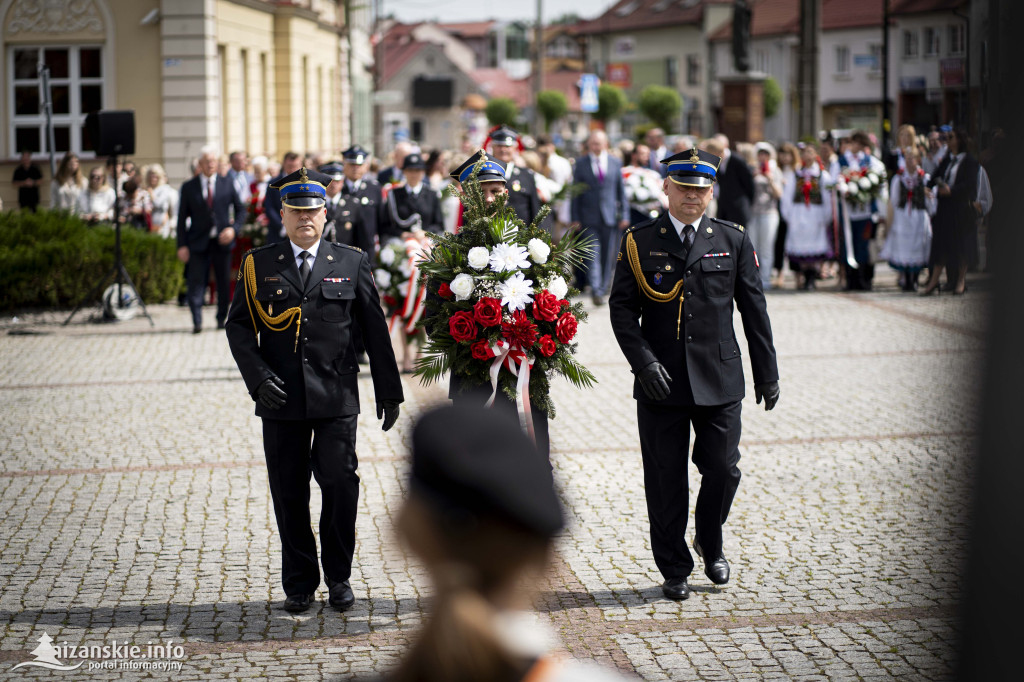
{"x": 750, "y": 302}
{"x": 625, "y": 306}
{"x": 434, "y": 221}
{"x": 387, "y": 382}
{"x": 243, "y": 341}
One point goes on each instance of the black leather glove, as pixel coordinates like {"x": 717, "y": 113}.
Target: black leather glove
{"x": 654, "y": 380}
{"x": 770, "y": 393}
{"x": 388, "y": 409}
{"x": 270, "y": 395}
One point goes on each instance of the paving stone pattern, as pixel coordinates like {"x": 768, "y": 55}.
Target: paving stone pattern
{"x": 134, "y": 506}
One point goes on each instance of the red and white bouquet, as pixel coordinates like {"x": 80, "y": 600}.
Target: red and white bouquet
{"x": 499, "y": 312}
{"x": 862, "y": 185}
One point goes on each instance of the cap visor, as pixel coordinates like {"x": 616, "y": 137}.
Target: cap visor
{"x": 691, "y": 180}
{"x": 304, "y": 202}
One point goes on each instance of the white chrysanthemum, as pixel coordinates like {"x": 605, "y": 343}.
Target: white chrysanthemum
{"x": 462, "y": 286}
{"x": 383, "y": 278}
{"x": 478, "y": 257}
{"x": 516, "y": 292}
{"x": 405, "y": 268}
{"x": 539, "y": 251}
{"x": 508, "y": 257}
{"x": 864, "y": 183}
{"x": 387, "y": 256}
{"x": 403, "y": 288}
{"x": 873, "y": 177}
{"x": 558, "y": 287}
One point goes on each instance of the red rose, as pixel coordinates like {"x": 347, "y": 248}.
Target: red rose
{"x": 444, "y": 291}
{"x": 462, "y": 326}
{"x": 487, "y": 312}
{"x": 565, "y": 328}
{"x": 546, "y": 345}
{"x": 520, "y": 332}
{"x": 481, "y": 350}
{"x": 546, "y": 306}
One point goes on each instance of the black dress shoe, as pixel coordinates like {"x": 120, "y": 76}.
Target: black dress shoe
{"x": 599, "y": 300}
{"x": 220, "y": 325}
{"x": 676, "y": 588}
{"x": 341, "y": 595}
{"x": 196, "y": 329}
{"x": 717, "y": 570}
{"x": 362, "y": 359}
{"x": 298, "y": 603}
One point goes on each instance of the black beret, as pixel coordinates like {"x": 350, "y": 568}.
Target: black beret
{"x": 475, "y": 462}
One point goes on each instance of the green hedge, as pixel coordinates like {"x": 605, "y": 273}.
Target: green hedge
{"x": 53, "y": 259}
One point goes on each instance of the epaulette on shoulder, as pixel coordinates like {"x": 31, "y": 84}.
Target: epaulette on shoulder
{"x": 348, "y": 246}
{"x": 255, "y": 249}
{"x": 733, "y": 225}
{"x": 640, "y": 226}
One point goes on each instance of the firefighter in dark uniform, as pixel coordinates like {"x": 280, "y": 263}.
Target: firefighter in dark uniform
{"x": 351, "y": 215}
{"x": 671, "y": 307}
{"x": 412, "y": 206}
{"x": 522, "y": 187}
{"x": 289, "y": 330}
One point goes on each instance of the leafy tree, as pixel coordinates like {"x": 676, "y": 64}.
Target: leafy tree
{"x": 611, "y": 101}
{"x": 661, "y": 104}
{"x": 553, "y": 105}
{"x": 502, "y": 111}
{"x": 772, "y": 97}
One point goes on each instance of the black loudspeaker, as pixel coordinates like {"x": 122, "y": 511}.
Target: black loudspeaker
{"x": 111, "y": 132}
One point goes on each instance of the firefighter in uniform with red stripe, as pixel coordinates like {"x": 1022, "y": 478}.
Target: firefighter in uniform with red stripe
{"x": 671, "y": 305}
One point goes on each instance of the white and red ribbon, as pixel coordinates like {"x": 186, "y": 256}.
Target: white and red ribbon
{"x": 518, "y": 363}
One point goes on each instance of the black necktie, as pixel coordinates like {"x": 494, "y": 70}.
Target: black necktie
{"x": 688, "y": 233}
{"x": 305, "y": 269}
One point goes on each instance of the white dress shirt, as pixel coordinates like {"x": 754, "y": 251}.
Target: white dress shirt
{"x": 680, "y": 226}
{"x": 296, "y": 250}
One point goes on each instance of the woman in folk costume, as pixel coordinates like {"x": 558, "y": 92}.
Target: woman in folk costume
{"x": 806, "y": 204}
{"x": 911, "y": 206}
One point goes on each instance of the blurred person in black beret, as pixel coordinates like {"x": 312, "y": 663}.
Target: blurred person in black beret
{"x": 482, "y": 515}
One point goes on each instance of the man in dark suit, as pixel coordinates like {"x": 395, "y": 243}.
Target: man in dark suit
{"x": 289, "y": 331}
{"x": 414, "y": 205}
{"x": 522, "y": 186}
{"x": 735, "y": 184}
{"x": 272, "y": 200}
{"x": 601, "y": 211}
{"x": 210, "y": 213}
{"x": 671, "y": 310}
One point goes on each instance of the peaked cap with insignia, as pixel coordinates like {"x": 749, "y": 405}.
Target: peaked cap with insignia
{"x": 355, "y": 154}
{"x": 333, "y": 169}
{"x": 303, "y": 189}
{"x": 492, "y": 170}
{"x": 693, "y": 168}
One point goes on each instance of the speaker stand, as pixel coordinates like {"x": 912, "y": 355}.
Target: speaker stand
{"x": 121, "y": 276}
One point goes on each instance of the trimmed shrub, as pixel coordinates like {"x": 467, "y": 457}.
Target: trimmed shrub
{"x": 53, "y": 259}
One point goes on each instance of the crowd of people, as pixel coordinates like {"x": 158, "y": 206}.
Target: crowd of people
{"x": 827, "y": 210}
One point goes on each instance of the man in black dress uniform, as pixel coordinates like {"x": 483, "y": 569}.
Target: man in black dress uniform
{"x": 289, "y": 330}
{"x": 521, "y": 185}
{"x": 351, "y": 209}
{"x": 671, "y": 308}
{"x": 412, "y": 206}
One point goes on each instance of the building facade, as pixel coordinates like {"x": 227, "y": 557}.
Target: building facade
{"x": 256, "y": 75}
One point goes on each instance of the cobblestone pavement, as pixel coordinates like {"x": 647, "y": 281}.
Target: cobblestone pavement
{"x": 135, "y": 507}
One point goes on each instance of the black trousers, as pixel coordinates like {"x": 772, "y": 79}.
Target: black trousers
{"x": 664, "y": 444}
{"x": 478, "y": 395}
{"x": 198, "y": 273}
{"x": 327, "y": 449}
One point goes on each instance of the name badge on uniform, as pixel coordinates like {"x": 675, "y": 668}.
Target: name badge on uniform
{"x": 271, "y": 279}
{"x": 663, "y": 254}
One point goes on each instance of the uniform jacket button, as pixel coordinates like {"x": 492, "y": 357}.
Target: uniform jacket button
{"x": 689, "y": 316}
{"x": 689, "y": 339}
{"x": 688, "y": 273}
